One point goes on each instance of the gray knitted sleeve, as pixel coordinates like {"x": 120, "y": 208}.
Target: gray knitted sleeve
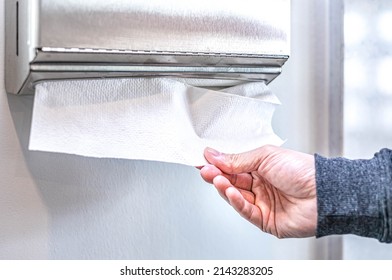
{"x": 355, "y": 196}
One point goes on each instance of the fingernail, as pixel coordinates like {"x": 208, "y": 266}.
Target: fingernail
{"x": 213, "y": 152}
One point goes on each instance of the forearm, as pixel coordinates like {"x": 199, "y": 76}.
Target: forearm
{"x": 355, "y": 196}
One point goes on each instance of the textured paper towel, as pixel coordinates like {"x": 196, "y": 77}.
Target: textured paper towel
{"x": 150, "y": 118}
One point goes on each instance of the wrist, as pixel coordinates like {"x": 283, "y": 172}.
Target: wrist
{"x": 347, "y": 197}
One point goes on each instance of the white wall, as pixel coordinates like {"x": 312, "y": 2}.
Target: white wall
{"x": 56, "y": 206}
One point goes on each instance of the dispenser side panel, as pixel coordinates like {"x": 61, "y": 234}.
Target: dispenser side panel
{"x": 21, "y": 35}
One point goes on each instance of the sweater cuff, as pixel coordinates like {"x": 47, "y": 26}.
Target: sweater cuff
{"x": 353, "y": 196}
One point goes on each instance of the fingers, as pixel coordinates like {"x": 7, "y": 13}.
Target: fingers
{"x": 239, "y": 200}
{"x": 209, "y": 172}
{"x": 243, "y": 181}
{"x": 239, "y": 163}
{"x": 243, "y": 207}
{"x": 221, "y": 184}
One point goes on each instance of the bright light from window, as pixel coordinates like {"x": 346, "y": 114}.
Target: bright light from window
{"x": 384, "y": 26}
{"x": 354, "y": 113}
{"x": 384, "y": 75}
{"x": 355, "y": 28}
{"x": 354, "y": 74}
{"x": 386, "y": 117}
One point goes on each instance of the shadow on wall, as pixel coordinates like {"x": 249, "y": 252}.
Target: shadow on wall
{"x": 62, "y": 172}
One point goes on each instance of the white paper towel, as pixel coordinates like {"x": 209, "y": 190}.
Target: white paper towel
{"x": 150, "y": 118}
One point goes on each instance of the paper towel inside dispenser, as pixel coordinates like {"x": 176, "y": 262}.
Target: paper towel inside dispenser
{"x": 73, "y": 39}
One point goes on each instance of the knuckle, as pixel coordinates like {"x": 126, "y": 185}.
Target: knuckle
{"x": 267, "y": 149}
{"x": 231, "y": 162}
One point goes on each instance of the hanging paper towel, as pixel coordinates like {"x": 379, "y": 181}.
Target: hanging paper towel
{"x": 158, "y": 119}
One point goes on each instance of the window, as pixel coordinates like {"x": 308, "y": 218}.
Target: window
{"x": 367, "y": 96}
{"x": 368, "y": 77}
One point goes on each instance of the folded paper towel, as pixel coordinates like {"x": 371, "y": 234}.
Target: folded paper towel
{"x": 158, "y": 119}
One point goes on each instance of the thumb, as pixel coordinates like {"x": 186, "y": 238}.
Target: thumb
{"x": 239, "y": 163}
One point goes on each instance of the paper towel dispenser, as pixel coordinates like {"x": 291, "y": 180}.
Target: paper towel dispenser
{"x": 73, "y": 39}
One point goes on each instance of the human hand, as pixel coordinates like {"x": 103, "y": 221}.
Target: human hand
{"x": 272, "y": 187}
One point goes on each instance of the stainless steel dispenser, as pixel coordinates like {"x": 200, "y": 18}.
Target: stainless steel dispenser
{"x": 73, "y": 39}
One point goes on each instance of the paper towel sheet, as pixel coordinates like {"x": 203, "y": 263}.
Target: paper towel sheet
{"x": 150, "y": 118}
